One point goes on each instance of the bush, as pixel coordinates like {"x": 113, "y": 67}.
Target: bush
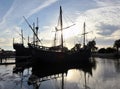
{"x": 107, "y": 50}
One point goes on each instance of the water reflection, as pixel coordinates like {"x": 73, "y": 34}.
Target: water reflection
{"x": 117, "y": 65}
{"x": 55, "y": 76}
{"x": 99, "y": 74}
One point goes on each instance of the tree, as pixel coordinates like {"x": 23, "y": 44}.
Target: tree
{"x": 102, "y": 50}
{"x": 117, "y": 44}
{"x": 91, "y": 45}
{"x": 110, "y": 50}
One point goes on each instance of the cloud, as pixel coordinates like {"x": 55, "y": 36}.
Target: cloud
{"x": 103, "y": 22}
{"x": 107, "y": 2}
{"x": 12, "y": 19}
{"x": 101, "y": 18}
{"x": 107, "y": 29}
{"x": 45, "y": 4}
{"x": 24, "y": 7}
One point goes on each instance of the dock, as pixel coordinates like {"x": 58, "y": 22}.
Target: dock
{"x": 7, "y": 61}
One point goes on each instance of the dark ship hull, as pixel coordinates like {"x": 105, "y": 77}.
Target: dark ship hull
{"x": 43, "y": 55}
{"x": 81, "y": 55}
{"x": 51, "y": 57}
{"x": 21, "y": 52}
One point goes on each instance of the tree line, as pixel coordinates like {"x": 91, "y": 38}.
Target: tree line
{"x": 113, "y": 49}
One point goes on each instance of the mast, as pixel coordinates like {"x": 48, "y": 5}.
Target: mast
{"x": 22, "y": 36}
{"x": 37, "y": 31}
{"x": 34, "y": 34}
{"x": 84, "y": 35}
{"x": 61, "y": 27}
{"x": 28, "y": 39}
{"x": 13, "y": 40}
{"x": 55, "y": 36}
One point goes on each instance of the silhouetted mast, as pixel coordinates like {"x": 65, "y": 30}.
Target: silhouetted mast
{"x": 22, "y": 36}
{"x": 13, "y": 40}
{"x": 37, "y": 27}
{"x": 61, "y": 27}
{"x": 55, "y": 36}
{"x": 34, "y": 40}
{"x": 28, "y": 39}
{"x": 84, "y": 35}
{"x": 32, "y": 30}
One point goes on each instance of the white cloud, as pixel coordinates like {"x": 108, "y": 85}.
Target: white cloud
{"x": 45, "y": 4}
{"x": 24, "y": 8}
{"x": 11, "y": 20}
{"x": 107, "y": 2}
{"x": 116, "y": 35}
{"x": 104, "y": 22}
{"x": 97, "y": 20}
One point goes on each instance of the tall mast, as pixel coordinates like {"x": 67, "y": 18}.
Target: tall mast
{"x": 61, "y": 27}
{"x": 84, "y": 35}
{"x": 13, "y": 40}
{"x": 37, "y": 31}
{"x": 22, "y": 36}
{"x": 55, "y": 36}
{"x": 28, "y": 39}
{"x": 34, "y": 34}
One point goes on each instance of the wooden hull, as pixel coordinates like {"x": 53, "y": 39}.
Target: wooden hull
{"x": 21, "y": 53}
{"x": 52, "y": 57}
{"x": 21, "y": 50}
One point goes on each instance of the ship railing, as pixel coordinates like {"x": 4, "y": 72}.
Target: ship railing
{"x": 40, "y": 47}
{"x": 17, "y": 44}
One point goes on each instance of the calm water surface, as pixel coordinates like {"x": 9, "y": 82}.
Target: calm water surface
{"x": 104, "y": 75}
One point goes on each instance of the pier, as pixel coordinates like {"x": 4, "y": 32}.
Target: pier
{"x": 7, "y": 57}
{"x": 7, "y": 61}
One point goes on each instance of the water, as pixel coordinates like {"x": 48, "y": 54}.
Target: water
{"x": 104, "y": 74}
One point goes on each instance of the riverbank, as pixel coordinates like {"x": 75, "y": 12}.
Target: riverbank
{"x": 106, "y": 55}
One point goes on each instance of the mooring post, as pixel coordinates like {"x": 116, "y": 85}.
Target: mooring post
{"x": 0, "y": 60}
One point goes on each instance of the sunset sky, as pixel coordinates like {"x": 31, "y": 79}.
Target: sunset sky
{"x": 102, "y": 18}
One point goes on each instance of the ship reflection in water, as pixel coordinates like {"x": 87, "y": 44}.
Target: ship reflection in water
{"x": 44, "y": 76}
{"x": 98, "y": 74}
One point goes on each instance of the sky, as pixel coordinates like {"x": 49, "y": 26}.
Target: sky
{"x": 102, "y": 18}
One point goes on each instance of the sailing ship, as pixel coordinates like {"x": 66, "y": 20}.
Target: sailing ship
{"x": 21, "y": 52}
{"x": 58, "y": 54}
